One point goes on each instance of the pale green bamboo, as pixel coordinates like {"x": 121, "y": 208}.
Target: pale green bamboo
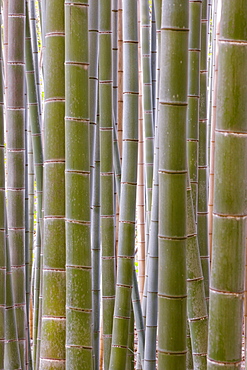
{"x": 79, "y": 353}
{"x": 95, "y": 235}
{"x": 189, "y": 357}
{"x": 230, "y": 211}
{"x": 106, "y": 174}
{"x": 130, "y": 363}
{"x": 196, "y": 308}
{"x": 33, "y": 32}
{"x": 172, "y": 294}
{"x": 148, "y": 126}
{"x": 95, "y": 173}
{"x": 31, "y": 203}
{"x": 202, "y": 208}
{"x": 52, "y": 351}
{"x": 12, "y": 358}
{"x": 35, "y": 123}
{"x": 2, "y": 215}
{"x": 128, "y": 188}
{"x": 152, "y": 281}
{"x": 16, "y": 163}
{"x": 194, "y": 96}
{"x": 153, "y": 60}
{"x": 115, "y": 60}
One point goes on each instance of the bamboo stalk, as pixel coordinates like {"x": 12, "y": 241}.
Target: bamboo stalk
{"x": 229, "y": 218}
{"x": 106, "y": 174}
{"x": 52, "y": 351}
{"x": 172, "y": 186}
{"x": 128, "y": 189}
{"x": 16, "y": 163}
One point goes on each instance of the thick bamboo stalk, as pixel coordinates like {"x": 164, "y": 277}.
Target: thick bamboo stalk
{"x": 230, "y": 211}
{"x": 106, "y": 174}
{"x": 128, "y": 188}
{"x": 172, "y": 185}
{"x": 79, "y": 354}
{"x": 52, "y": 351}
{"x": 16, "y": 162}
{"x": 120, "y": 77}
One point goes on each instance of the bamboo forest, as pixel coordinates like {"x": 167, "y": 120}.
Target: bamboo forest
{"x": 123, "y": 184}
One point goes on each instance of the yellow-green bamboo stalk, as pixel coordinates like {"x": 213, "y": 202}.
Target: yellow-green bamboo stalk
{"x": 202, "y": 208}
{"x": 16, "y": 162}
{"x": 230, "y": 211}
{"x": 52, "y": 351}
{"x": 106, "y": 174}
{"x": 120, "y": 77}
{"x": 128, "y": 188}
{"x": 172, "y": 293}
{"x": 77, "y": 184}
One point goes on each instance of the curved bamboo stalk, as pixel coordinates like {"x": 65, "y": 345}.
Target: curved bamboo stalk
{"x": 16, "y": 163}
{"x": 172, "y": 185}
{"x": 128, "y": 189}
{"x": 52, "y": 351}
{"x": 230, "y": 211}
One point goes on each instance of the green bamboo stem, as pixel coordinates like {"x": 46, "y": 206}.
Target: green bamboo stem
{"x": 140, "y": 206}
{"x": 34, "y": 41}
{"x": 194, "y": 96}
{"x": 189, "y": 357}
{"x": 16, "y": 163}
{"x": 79, "y": 353}
{"x": 229, "y": 218}
{"x": 12, "y": 358}
{"x": 213, "y": 123}
{"x": 130, "y": 363}
{"x": 153, "y": 60}
{"x": 202, "y": 209}
{"x": 95, "y": 174}
{"x": 106, "y": 174}
{"x": 52, "y": 351}
{"x": 2, "y": 216}
{"x": 95, "y": 230}
{"x": 152, "y": 280}
{"x": 172, "y": 185}
{"x": 147, "y": 104}
{"x": 128, "y": 188}
{"x": 196, "y": 308}
{"x": 31, "y": 203}
{"x": 120, "y": 78}
{"x": 115, "y": 60}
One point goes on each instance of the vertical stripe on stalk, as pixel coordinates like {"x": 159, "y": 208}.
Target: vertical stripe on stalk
{"x": 230, "y": 208}
{"x": 52, "y": 351}
{"x": 172, "y": 185}
{"x": 16, "y": 161}
{"x": 77, "y": 189}
{"x": 128, "y": 188}
{"x": 106, "y": 174}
